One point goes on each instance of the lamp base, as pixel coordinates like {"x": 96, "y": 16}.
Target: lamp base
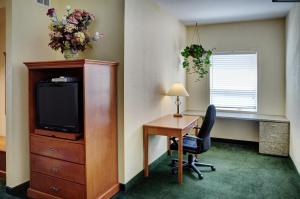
{"x": 177, "y": 115}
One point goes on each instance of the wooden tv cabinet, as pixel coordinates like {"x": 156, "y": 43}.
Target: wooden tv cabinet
{"x": 86, "y": 168}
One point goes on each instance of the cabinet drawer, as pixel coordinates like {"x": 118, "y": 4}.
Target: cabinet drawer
{"x": 58, "y": 168}
{"x": 274, "y": 127}
{"x": 274, "y": 132}
{"x": 57, "y": 148}
{"x": 56, "y": 187}
{"x": 275, "y": 138}
{"x": 274, "y": 148}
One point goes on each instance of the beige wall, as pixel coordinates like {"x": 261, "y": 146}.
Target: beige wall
{"x": 28, "y": 41}
{"x": 293, "y": 82}
{"x": 153, "y": 41}
{"x": 266, "y": 37}
{"x": 2, "y": 68}
{"x": 109, "y": 21}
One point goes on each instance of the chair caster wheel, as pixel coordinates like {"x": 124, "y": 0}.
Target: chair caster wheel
{"x": 173, "y": 163}
{"x": 213, "y": 168}
{"x": 200, "y": 177}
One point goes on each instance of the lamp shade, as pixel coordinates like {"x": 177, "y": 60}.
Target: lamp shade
{"x": 177, "y": 89}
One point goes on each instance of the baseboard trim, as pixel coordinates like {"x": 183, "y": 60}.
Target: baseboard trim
{"x": 136, "y": 179}
{"x": 111, "y": 192}
{"x": 18, "y": 191}
{"x": 140, "y": 176}
{"x": 21, "y": 190}
{"x": 294, "y": 165}
{"x": 231, "y": 141}
{"x": 37, "y": 194}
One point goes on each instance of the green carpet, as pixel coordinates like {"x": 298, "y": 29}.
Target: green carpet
{"x": 241, "y": 173}
{"x": 3, "y": 195}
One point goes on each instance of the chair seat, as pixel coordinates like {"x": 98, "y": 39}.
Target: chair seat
{"x": 190, "y": 144}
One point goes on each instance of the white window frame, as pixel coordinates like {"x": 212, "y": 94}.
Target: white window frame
{"x": 43, "y": 4}
{"x": 257, "y": 81}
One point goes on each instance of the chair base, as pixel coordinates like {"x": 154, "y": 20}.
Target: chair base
{"x": 192, "y": 163}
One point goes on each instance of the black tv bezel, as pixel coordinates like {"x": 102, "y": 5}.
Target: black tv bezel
{"x": 66, "y": 129}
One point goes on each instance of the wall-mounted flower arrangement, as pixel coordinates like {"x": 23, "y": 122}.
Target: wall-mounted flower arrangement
{"x": 69, "y": 34}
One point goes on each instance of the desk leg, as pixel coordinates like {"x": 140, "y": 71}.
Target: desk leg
{"x": 180, "y": 159}
{"x": 145, "y": 137}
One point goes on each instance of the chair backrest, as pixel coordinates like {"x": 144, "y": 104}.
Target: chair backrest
{"x": 208, "y": 122}
{"x": 206, "y": 127}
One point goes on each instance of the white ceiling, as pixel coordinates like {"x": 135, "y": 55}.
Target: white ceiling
{"x": 222, "y": 11}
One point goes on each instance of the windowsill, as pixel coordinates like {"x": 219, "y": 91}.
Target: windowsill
{"x": 241, "y": 116}
{"x": 236, "y": 111}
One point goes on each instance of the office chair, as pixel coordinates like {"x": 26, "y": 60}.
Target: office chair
{"x": 194, "y": 145}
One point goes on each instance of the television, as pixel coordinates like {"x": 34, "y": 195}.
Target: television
{"x": 58, "y": 106}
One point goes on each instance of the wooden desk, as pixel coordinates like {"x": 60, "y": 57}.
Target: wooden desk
{"x": 172, "y": 127}
{"x": 241, "y": 116}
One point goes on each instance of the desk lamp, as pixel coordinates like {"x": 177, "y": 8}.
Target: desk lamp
{"x": 177, "y": 90}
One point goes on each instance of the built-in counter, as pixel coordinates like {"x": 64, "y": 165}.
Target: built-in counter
{"x": 273, "y": 129}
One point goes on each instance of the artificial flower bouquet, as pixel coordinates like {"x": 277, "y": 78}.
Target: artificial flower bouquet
{"x": 69, "y": 34}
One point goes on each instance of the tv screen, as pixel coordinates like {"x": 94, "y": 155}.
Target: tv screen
{"x": 58, "y": 106}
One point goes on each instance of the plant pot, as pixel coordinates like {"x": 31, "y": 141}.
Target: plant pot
{"x": 70, "y": 55}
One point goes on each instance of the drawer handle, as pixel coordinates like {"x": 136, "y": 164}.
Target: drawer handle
{"x": 53, "y": 149}
{"x": 54, "y": 170}
{"x": 55, "y": 189}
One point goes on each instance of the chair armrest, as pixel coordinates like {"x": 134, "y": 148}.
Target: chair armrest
{"x": 199, "y": 141}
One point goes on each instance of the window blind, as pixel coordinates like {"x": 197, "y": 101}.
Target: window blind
{"x": 233, "y": 81}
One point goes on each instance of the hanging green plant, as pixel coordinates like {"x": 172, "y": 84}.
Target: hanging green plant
{"x": 196, "y": 58}
{"x": 199, "y": 57}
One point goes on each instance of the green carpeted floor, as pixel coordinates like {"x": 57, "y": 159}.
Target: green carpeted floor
{"x": 241, "y": 173}
{"x": 3, "y": 195}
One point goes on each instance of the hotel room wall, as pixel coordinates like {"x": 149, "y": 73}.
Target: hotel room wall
{"x": 267, "y": 38}
{"x": 293, "y": 81}
{"x": 153, "y": 41}
{"x": 2, "y": 67}
{"x": 109, "y": 21}
{"x": 28, "y": 41}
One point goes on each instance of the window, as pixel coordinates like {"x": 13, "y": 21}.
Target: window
{"x": 233, "y": 81}
{"x": 44, "y": 2}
